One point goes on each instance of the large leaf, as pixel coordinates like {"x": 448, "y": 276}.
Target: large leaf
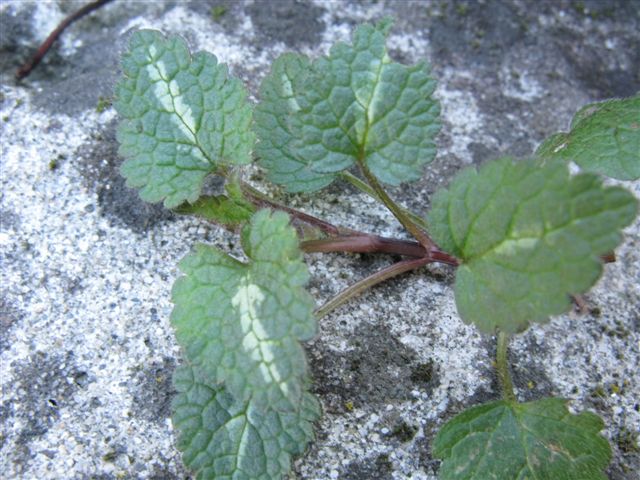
{"x": 224, "y": 439}
{"x": 182, "y": 118}
{"x": 516, "y": 441}
{"x": 241, "y": 323}
{"x": 529, "y": 236}
{"x": 604, "y": 138}
{"x": 354, "y": 105}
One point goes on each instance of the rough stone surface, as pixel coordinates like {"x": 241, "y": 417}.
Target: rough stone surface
{"x": 86, "y": 348}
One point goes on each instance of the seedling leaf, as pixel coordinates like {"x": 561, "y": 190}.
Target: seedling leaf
{"x": 217, "y": 208}
{"x": 224, "y": 439}
{"x": 183, "y": 117}
{"x": 537, "y": 440}
{"x": 354, "y": 105}
{"x": 604, "y": 138}
{"x": 241, "y": 323}
{"x": 529, "y": 235}
{"x": 231, "y": 210}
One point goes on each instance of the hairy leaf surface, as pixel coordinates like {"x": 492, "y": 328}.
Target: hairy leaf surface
{"x": 275, "y": 117}
{"x": 354, "y": 105}
{"x": 529, "y": 236}
{"x": 224, "y": 439}
{"x": 183, "y": 117}
{"x": 604, "y": 138}
{"x": 537, "y": 440}
{"x": 241, "y": 323}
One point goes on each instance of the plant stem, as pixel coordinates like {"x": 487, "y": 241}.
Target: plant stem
{"x": 349, "y": 240}
{"x": 364, "y": 243}
{"x": 502, "y": 367}
{"x": 26, "y": 69}
{"x": 364, "y": 187}
{"x": 397, "y": 211}
{"x": 368, "y": 282}
{"x": 261, "y": 200}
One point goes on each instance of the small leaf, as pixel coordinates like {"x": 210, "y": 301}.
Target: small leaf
{"x": 536, "y": 440}
{"x": 604, "y": 138}
{"x": 224, "y": 439}
{"x": 230, "y": 210}
{"x": 242, "y": 323}
{"x": 354, "y": 105}
{"x": 217, "y": 208}
{"x": 182, "y": 118}
{"x": 529, "y": 236}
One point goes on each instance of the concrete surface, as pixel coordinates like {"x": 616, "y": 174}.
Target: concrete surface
{"x": 86, "y": 348}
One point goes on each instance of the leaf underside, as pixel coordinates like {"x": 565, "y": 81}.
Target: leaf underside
{"x": 182, "y": 116}
{"x": 318, "y": 119}
{"x": 604, "y": 138}
{"x": 539, "y": 440}
{"x": 240, "y": 326}
{"x": 529, "y": 236}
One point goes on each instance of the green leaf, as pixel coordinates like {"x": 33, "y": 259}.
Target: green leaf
{"x": 183, "y": 117}
{"x": 604, "y": 138}
{"x": 274, "y": 119}
{"x": 242, "y": 323}
{"x": 224, "y": 439}
{"x": 537, "y": 440}
{"x": 217, "y": 208}
{"x": 231, "y": 210}
{"x": 529, "y": 236}
{"x": 354, "y": 105}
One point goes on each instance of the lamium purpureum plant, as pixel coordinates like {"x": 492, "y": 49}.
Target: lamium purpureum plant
{"x": 524, "y": 235}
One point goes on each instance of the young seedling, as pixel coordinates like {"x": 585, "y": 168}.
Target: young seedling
{"x": 524, "y": 236}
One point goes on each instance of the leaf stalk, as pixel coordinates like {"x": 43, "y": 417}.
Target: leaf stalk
{"x": 261, "y": 200}
{"x": 357, "y": 288}
{"x": 402, "y": 216}
{"x": 364, "y": 243}
{"x": 502, "y": 366}
{"x": 365, "y": 188}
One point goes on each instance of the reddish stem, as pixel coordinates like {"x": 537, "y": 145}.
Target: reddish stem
{"x": 357, "y": 288}
{"x": 53, "y": 36}
{"x": 608, "y": 257}
{"x": 437, "y": 255}
{"x": 348, "y": 240}
{"x": 365, "y": 243}
{"x": 260, "y": 200}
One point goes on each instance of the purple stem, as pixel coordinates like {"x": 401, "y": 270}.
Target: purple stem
{"x": 26, "y": 69}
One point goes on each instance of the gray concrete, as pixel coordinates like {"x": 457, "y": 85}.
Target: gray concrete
{"x": 86, "y": 348}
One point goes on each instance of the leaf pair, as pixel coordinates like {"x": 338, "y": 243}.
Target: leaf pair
{"x": 244, "y": 407}
{"x": 529, "y": 235}
{"x": 186, "y": 118}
